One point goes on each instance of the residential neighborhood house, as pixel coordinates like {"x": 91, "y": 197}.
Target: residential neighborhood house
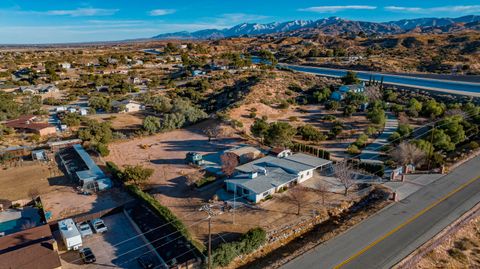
{"x": 263, "y": 177}
{"x": 127, "y": 106}
{"x": 342, "y": 92}
{"x": 31, "y": 248}
{"x": 28, "y": 124}
{"x": 38, "y": 89}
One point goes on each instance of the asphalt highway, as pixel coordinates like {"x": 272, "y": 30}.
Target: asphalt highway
{"x": 387, "y": 237}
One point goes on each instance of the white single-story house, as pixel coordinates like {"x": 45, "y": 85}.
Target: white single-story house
{"x": 127, "y": 106}
{"x": 36, "y": 89}
{"x": 263, "y": 177}
{"x": 340, "y": 94}
{"x": 66, "y": 65}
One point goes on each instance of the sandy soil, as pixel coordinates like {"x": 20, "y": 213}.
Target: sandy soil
{"x": 121, "y": 121}
{"x": 462, "y": 250}
{"x": 65, "y": 201}
{"x": 16, "y": 182}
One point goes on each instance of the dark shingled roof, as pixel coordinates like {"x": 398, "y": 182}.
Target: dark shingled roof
{"x": 29, "y": 249}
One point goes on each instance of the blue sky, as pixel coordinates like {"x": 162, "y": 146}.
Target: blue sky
{"x": 54, "y": 21}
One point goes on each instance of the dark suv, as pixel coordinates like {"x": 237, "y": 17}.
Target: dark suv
{"x": 87, "y": 255}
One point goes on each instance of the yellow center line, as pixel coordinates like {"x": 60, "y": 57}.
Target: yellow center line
{"x": 423, "y": 211}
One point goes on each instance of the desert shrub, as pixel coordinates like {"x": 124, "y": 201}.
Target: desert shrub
{"x": 102, "y": 149}
{"x": 204, "y": 181}
{"x": 329, "y": 118}
{"x": 353, "y": 149}
{"x": 395, "y": 136}
{"x": 464, "y": 244}
{"x": 370, "y": 130}
{"x": 284, "y": 104}
{"x": 248, "y": 242}
{"x": 361, "y": 140}
{"x": 473, "y": 145}
{"x": 457, "y": 254}
{"x": 310, "y": 133}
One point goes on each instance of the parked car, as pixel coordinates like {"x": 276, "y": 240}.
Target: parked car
{"x": 87, "y": 255}
{"x": 98, "y": 226}
{"x": 84, "y": 229}
{"x": 146, "y": 262}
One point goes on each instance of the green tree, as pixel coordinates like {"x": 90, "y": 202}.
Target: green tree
{"x": 349, "y": 110}
{"x": 453, "y": 127}
{"x": 322, "y": 95}
{"x": 310, "y": 133}
{"x": 414, "y": 107}
{"x": 280, "y": 134}
{"x": 151, "y": 124}
{"x": 332, "y": 105}
{"x": 259, "y": 128}
{"x": 100, "y": 103}
{"x": 377, "y": 116}
{"x": 136, "y": 175}
{"x": 350, "y": 78}
{"x": 442, "y": 141}
{"x": 96, "y": 132}
{"x": 433, "y": 109}
{"x": 172, "y": 121}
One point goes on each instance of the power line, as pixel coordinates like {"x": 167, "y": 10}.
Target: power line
{"x": 390, "y": 142}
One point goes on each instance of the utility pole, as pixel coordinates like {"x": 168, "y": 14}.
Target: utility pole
{"x": 210, "y": 213}
{"x": 430, "y": 152}
{"x": 209, "y": 242}
{"x": 234, "y": 200}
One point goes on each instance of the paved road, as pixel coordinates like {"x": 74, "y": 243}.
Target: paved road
{"x": 387, "y": 237}
{"x": 371, "y": 153}
{"x": 450, "y": 86}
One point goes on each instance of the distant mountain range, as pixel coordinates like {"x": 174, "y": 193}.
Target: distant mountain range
{"x": 333, "y": 26}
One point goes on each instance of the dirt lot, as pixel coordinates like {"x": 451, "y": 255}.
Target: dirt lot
{"x": 462, "y": 250}
{"x": 65, "y": 202}
{"x": 118, "y": 248}
{"x": 121, "y": 121}
{"x": 17, "y": 181}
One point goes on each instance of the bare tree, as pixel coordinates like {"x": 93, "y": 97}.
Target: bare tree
{"x": 212, "y": 132}
{"x": 322, "y": 189}
{"x": 373, "y": 92}
{"x": 407, "y": 153}
{"x": 296, "y": 196}
{"x": 229, "y": 163}
{"x": 345, "y": 173}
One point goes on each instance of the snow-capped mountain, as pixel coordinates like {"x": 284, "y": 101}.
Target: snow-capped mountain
{"x": 329, "y": 26}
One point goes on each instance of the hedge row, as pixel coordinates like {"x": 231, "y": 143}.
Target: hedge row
{"x": 377, "y": 169}
{"x": 312, "y": 150}
{"x": 159, "y": 209}
{"x": 248, "y": 242}
{"x": 166, "y": 214}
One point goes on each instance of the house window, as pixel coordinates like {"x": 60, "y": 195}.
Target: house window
{"x": 265, "y": 193}
{"x": 308, "y": 173}
{"x": 301, "y": 176}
